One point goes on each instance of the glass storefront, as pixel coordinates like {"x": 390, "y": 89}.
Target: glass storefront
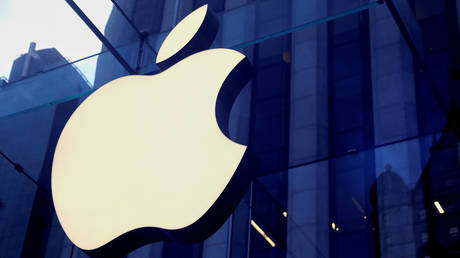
{"x": 352, "y": 113}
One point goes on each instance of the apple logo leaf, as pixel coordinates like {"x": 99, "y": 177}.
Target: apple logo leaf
{"x": 193, "y": 34}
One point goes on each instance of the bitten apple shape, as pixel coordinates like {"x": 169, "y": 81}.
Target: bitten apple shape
{"x": 146, "y": 152}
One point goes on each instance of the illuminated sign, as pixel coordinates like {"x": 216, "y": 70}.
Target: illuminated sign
{"x": 148, "y": 158}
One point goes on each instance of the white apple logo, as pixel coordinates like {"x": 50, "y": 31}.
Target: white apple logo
{"x": 146, "y": 152}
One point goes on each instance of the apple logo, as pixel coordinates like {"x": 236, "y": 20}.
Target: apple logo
{"x": 148, "y": 158}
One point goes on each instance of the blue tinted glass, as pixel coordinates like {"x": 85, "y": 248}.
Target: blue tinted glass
{"x": 352, "y": 115}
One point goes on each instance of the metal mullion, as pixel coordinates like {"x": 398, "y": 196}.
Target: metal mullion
{"x": 131, "y": 23}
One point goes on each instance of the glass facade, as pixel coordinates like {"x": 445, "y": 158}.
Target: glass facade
{"x": 353, "y": 115}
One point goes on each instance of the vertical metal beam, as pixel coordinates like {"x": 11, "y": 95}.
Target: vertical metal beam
{"x": 229, "y": 236}
{"x": 248, "y": 246}
{"x": 142, "y": 36}
{"x": 100, "y": 36}
{"x": 418, "y": 57}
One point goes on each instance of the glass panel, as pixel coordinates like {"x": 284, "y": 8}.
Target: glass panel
{"x": 27, "y": 212}
{"x": 68, "y": 81}
{"x": 47, "y": 33}
{"x": 127, "y": 43}
{"x": 245, "y": 23}
{"x": 51, "y": 24}
{"x": 140, "y": 54}
{"x": 361, "y": 204}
